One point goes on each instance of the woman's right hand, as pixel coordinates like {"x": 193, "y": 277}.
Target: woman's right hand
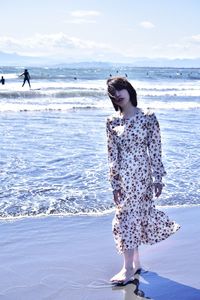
{"x": 117, "y": 196}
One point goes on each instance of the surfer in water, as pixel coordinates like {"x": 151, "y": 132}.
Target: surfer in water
{"x": 26, "y": 77}
{"x": 2, "y": 80}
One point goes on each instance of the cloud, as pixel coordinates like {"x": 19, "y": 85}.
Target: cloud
{"x": 65, "y": 47}
{"x": 195, "y": 38}
{"x": 185, "y": 47}
{"x": 84, "y": 13}
{"x": 9, "y": 44}
{"x": 51, "y": 44}
{"x": 83, "y": 17}
{"x": 147, "y": 25}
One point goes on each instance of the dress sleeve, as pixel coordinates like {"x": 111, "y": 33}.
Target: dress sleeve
{"x": 154, "y": 148}
{"x": 112, "y": 157}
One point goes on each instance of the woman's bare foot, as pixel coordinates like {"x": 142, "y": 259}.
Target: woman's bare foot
{"x": 123, "y": 276}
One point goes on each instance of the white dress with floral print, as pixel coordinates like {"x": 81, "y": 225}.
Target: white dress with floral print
{"x": 134, "y": 154}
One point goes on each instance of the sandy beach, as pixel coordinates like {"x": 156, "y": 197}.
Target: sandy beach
{"x": 74, "y": 257}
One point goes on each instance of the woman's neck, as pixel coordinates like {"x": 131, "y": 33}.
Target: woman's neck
{"x": 129, "y": 111}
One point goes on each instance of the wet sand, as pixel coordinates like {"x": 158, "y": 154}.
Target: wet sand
{"x": 73, "y": 258}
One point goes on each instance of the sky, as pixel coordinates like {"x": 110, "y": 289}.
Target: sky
{"x": 101, "y": 30}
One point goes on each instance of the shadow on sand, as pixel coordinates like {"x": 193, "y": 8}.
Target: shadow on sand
{"x": 149, "y": 285}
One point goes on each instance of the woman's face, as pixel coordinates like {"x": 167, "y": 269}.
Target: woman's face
{"x": 121, "y": 98}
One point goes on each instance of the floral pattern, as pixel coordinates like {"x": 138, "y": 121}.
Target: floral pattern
{"x": 134, "y": 155}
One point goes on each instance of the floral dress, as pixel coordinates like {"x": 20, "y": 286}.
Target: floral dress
{"x": 134, "y": 155}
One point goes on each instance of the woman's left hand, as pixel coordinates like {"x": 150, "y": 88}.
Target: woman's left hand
{"x": 158, "y": 189}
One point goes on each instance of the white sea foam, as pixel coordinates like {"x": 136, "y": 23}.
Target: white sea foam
{"x": 83, "y": 103}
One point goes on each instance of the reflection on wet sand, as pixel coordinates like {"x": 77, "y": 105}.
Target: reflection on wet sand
{"x": 150, "y": 285}
{"x": 131, "y": 289}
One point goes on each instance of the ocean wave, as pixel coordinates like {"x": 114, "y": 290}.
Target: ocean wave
{"x": 48, "y": 107}
{"x": 92, "y": 212}
{"x": 61, "y": 207}
{"x": 101, "y": 104}
{"x": 51, "y": 93}
{"x": 95, "y": 90}
{"x": 53, "y": 201}
{"x": 173, "y": 105}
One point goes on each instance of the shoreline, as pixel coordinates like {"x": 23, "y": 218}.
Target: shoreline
{"x": 85, "y": 215}
{"x": 74, "y": 257}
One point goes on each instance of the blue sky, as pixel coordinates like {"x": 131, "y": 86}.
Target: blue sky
{"x": 104, "y": 30}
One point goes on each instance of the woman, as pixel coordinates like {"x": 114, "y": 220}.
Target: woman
{"x": 136, "y": 171}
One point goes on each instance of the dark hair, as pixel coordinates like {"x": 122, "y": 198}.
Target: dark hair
{"x": 120, "y": 83}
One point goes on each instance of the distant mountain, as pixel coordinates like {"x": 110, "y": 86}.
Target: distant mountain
{"x": 166, "y": 63}
{"x": 85, "y": 64}
{"x": 14, "y": 59}
{"x": 139, "y": 62}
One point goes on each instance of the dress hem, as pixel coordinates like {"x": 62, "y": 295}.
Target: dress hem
{"x": 175, "y": 229}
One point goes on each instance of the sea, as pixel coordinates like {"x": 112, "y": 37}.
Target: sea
{"x": 53, "y": 154}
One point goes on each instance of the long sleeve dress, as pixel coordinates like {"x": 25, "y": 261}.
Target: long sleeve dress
{"x": 134, "y": 156}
